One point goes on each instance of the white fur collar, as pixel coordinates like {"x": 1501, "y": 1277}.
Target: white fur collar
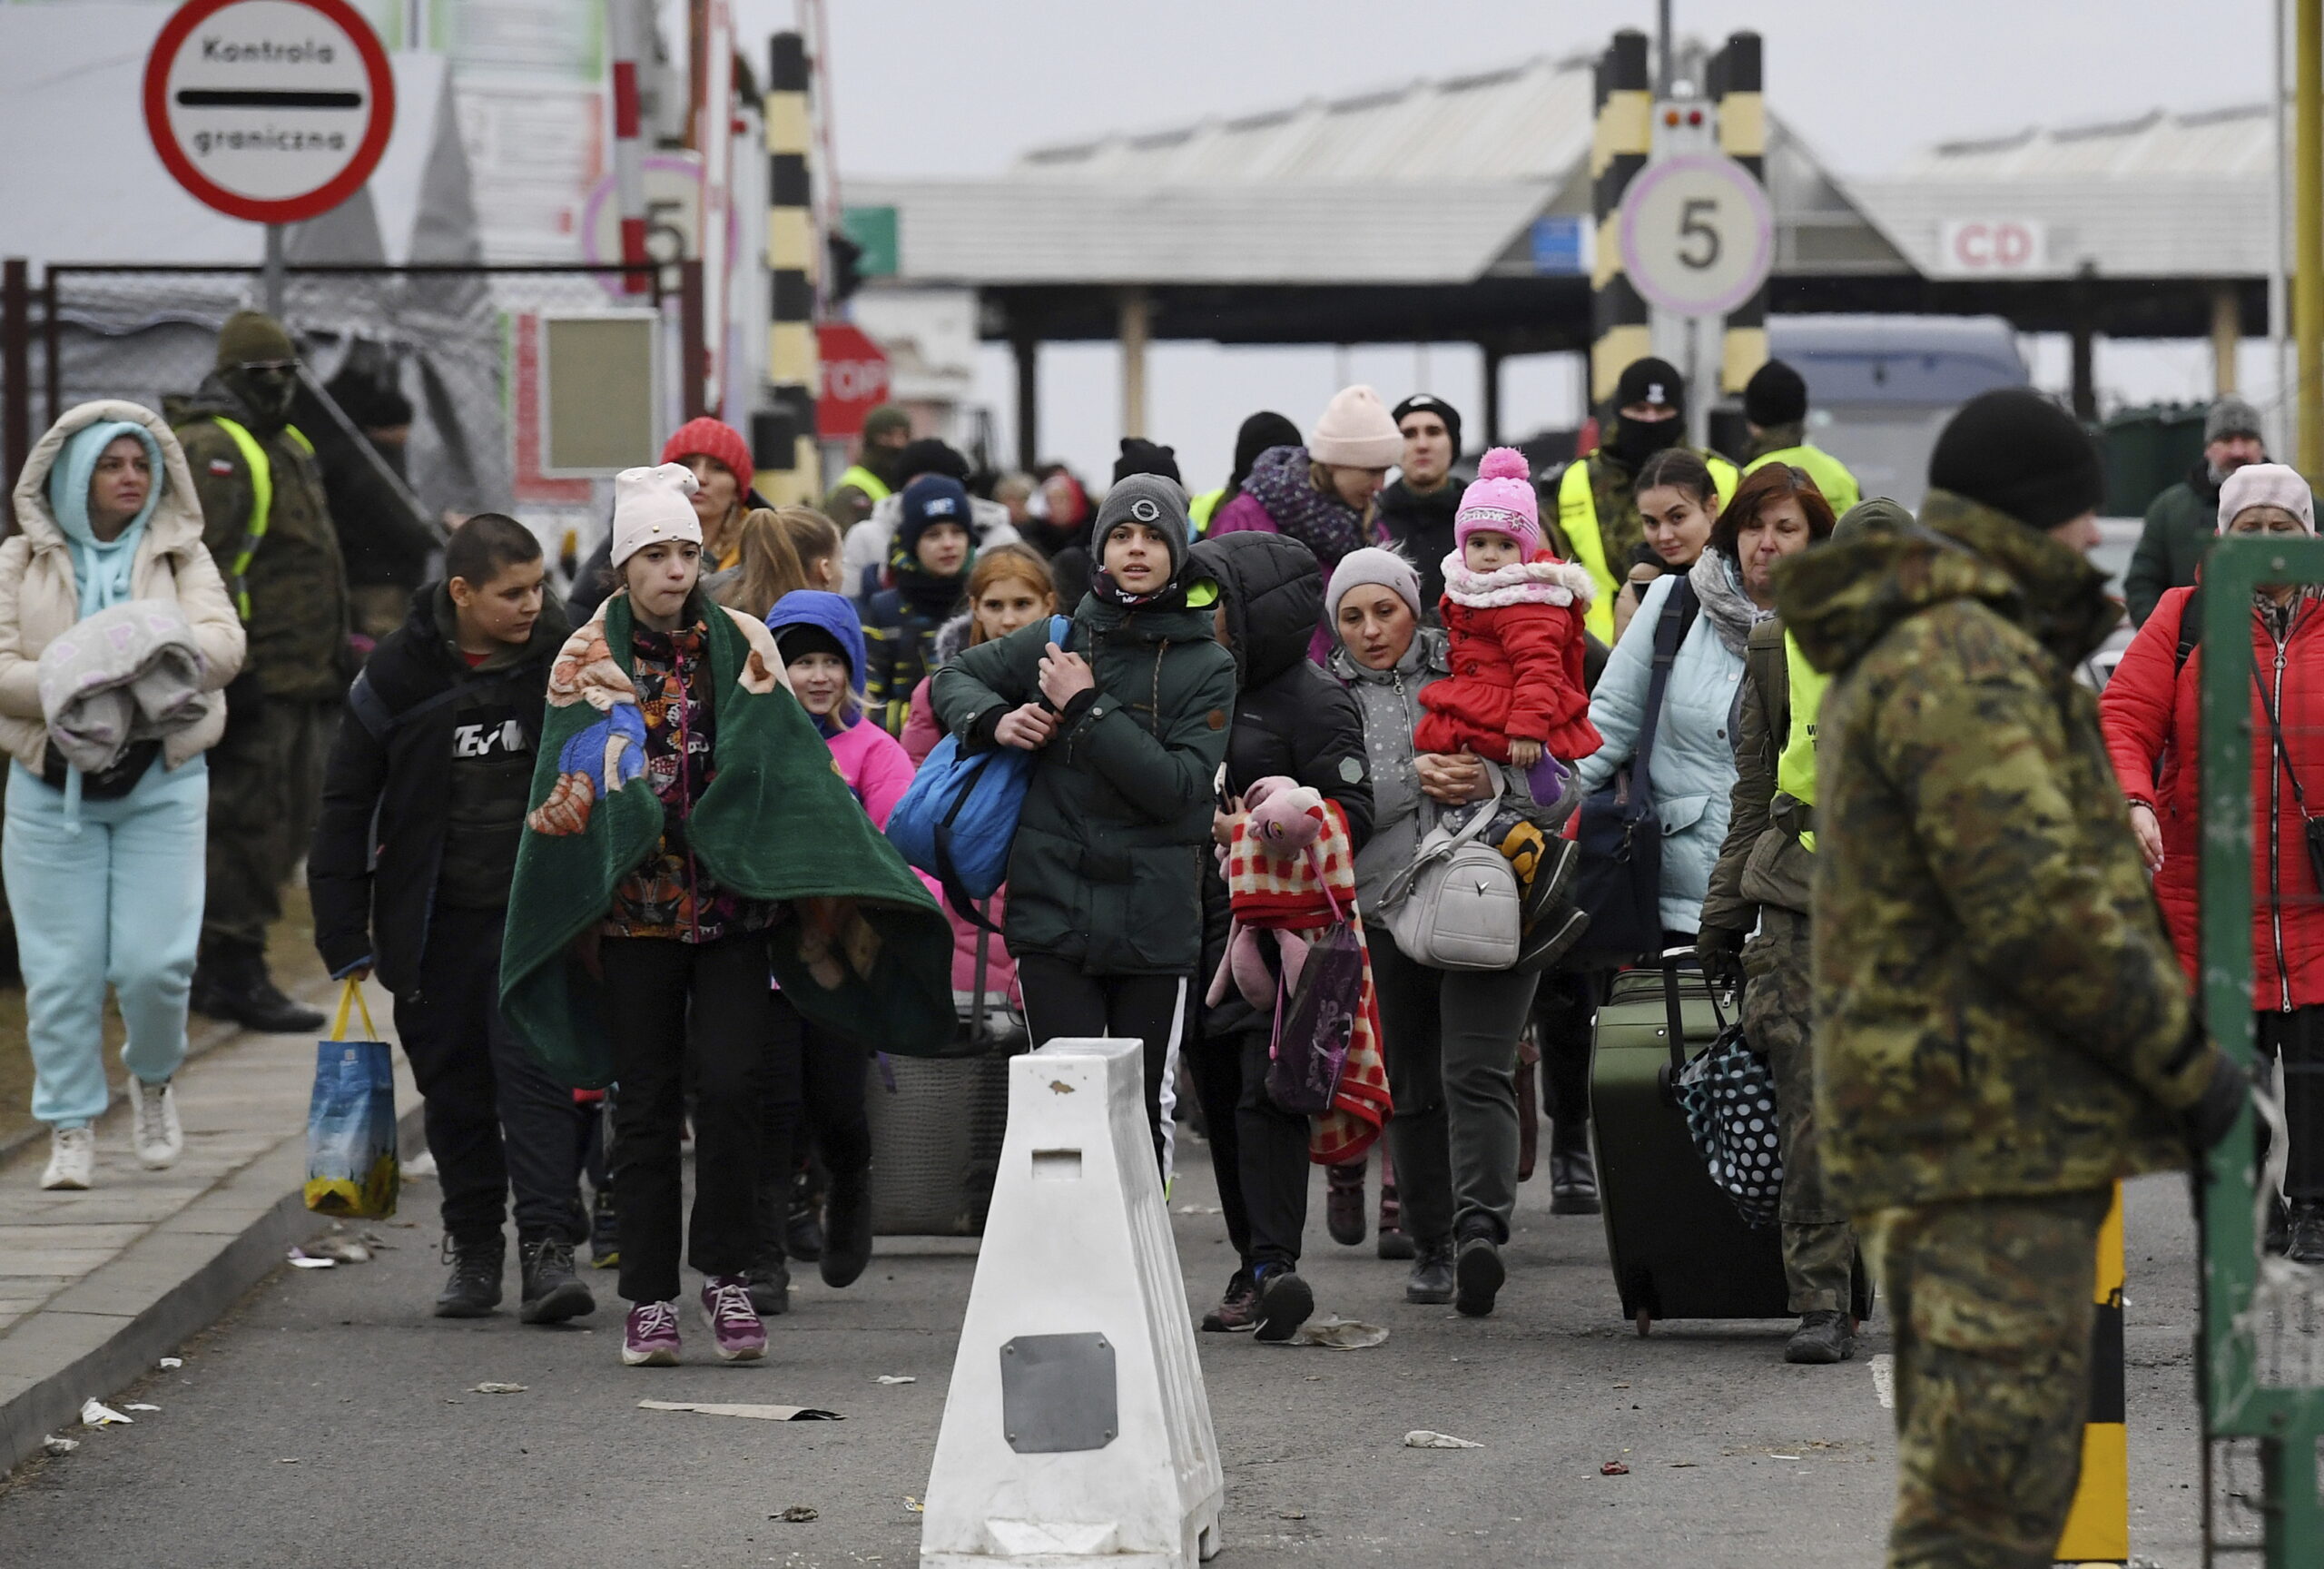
{"x": 1545, "y": 582}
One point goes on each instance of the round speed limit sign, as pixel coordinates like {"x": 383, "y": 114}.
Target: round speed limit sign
{"x": 1697, "y": 234}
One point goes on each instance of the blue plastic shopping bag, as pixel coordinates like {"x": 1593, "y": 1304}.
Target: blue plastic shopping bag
{"x": 352, "y": 1169}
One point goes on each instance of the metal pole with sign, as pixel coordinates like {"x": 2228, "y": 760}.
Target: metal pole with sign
{"x": 270, "y": 111}
{"x": 1697, "y": 240}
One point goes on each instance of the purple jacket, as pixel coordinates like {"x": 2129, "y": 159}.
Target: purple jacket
{"x": 1244, "y": 515}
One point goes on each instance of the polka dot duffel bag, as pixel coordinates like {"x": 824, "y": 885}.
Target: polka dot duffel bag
{"x": 1729, "y": 1096}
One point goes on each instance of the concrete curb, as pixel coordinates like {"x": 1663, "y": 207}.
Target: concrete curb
{"x": 108, "y": 1330}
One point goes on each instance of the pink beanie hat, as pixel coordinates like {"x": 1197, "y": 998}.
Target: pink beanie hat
{"x": 1500, "y": 500}
{"x": 1356, "y": 432}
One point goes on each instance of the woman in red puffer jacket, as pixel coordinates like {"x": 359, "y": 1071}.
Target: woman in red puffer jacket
{"x": 2151, "y": 713}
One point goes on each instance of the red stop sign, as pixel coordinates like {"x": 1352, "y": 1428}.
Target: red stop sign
{"x": 855, "y": 379}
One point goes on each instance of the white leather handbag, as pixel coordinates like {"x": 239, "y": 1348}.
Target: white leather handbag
{"x": 1455, "y": 907}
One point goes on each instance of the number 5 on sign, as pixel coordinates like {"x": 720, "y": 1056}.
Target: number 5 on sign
{"x": 1698, "y": 236}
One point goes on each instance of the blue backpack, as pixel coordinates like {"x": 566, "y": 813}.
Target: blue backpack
{"x": 957, "y": 820}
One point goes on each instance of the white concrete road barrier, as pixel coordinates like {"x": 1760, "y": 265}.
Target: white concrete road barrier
{"x": 1077, "y": 1430}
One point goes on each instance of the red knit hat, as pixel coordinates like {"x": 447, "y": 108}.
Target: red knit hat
{"x": 712, "y": 438}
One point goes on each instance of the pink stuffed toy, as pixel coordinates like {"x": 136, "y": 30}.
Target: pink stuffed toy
{"x": 1284, "y": 818}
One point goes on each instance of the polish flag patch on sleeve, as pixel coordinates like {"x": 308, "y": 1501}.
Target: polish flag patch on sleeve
{"x": 220, "y": 468}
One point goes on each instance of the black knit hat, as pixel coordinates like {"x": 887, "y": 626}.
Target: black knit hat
{"x": 1776, "y": 395}
{"x": 1262, "y": 431}
{"x": 1433, "y": 405}
{"x": 1140, "y": 456}
{"x": 929, "y": 456}
{"x": 2016, "y": 451}
{"x": 795, "y": 641}
{"x": 1651, "y": 381}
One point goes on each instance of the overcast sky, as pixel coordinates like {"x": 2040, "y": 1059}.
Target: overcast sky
{"x": 962, "y": 86}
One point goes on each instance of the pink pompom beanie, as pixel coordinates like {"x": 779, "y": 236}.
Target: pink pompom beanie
{"x": 1356, "y": 432}
{"x": 1500, "y": 500}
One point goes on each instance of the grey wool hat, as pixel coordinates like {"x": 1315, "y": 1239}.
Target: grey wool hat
{"x": 1153, "y": 499}
{"x": 2231, "y": 416}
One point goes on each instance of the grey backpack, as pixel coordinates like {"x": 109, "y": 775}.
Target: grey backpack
{"x": 1455, "y": 907}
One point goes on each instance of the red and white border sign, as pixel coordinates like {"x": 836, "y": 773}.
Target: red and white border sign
{"x": 272, "y": 111}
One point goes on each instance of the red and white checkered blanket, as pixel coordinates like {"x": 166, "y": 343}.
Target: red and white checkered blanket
{"x": 1290, "y": 894}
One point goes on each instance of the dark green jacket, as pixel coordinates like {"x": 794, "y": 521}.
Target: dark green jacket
{"x": 297, "y": 582}
{"x": 1998, "y": 1009}
{"x": 1106, "y": 872}
{"x": 2180, "y": 525}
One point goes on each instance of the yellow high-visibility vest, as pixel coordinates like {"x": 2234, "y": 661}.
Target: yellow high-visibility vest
{"x": 1831, "y": 475}
{"x": 1199, "y": 509}
{"x": 1578, "y": 517}
{"x": 262, "y": 469}
{"x": 863, "y": 479}
{"x": 1796, "y": 765}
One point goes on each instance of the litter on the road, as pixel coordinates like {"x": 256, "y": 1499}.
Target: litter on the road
{"x": 98, "y": 1413}
{"x": 302, "y": 1259}
{"x": 338, "y": 1250}
{"x": 1338, "y": 1334}
{"x": 763, "y": 1413}
{"x": 1422, "y": 1438}
{"x": 56, "y": 1445}
{"x": 1613, "y": 1468}
{"x": 420, "y": 1165}
{"x": 138, "y": 1405}
{"x": 1884, "y": 1380}
{"x": 1199, "y": 1210}
{"x": 797, "y": 1514}
{"x": 914, "y": 1504}
{"x": 895, "y": 1379}
{"x": 498, "y": 1389}
{"x": 173, "y": 1362}
{"x": 288, "y": 1460}
{"x": 1773, "y": 1456}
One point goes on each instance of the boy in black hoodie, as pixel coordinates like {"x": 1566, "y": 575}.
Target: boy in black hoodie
{"x": 423, "y": 803}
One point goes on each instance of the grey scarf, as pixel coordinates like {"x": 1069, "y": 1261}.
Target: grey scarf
{"x": 1719, "y": 585}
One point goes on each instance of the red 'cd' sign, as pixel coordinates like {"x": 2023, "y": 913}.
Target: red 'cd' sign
{"x": 272, "y": 111}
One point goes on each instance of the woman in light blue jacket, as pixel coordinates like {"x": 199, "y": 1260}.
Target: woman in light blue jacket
{"x": 1728, "y": 590}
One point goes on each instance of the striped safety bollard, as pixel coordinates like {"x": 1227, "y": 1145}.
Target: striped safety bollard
{"x": 788, "y": 471}
{"x": 1623, "y": 137}
{"x": 1738, "y": 79}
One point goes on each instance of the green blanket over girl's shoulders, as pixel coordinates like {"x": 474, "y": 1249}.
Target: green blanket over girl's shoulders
{"x": 860, "y": 947}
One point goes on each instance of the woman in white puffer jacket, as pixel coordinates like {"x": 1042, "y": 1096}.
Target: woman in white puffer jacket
{"x": 106, "y": 869}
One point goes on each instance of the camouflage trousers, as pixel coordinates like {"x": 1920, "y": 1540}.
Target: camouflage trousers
{"x": 1778, "y": 1002}
{"x": 1990, "y": 1303}
{"x": 266, "y": 783}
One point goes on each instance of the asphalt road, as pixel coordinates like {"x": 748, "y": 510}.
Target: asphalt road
{"x": 330, "y": 1421}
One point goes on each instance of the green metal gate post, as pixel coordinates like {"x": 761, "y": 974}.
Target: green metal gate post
{"x": 2286, "y": 1419}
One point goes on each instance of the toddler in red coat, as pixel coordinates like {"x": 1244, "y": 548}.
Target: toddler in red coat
{"x": 1514, "y": 621}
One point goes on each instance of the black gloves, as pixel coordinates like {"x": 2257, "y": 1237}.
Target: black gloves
{"x": 1720, "y": 950}
{"x": 2207, "y": 1121}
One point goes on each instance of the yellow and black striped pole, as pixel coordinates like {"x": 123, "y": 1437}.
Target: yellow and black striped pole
{"x": 1738, "y": 80}
{"x": 783, "y": 440}
{"x": 2099, "y": 1529}
{"x": 1618, "y": 331}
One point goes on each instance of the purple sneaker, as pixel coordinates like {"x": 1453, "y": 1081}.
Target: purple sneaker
{"x": 726, "y": 1303}
{"x": 650, "y": 1339}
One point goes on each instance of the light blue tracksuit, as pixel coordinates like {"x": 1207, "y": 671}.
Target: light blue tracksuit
{"x": 104, "y": 893}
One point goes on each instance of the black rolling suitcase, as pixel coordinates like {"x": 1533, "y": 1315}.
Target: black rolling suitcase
{"x": 1678, "y": 1249}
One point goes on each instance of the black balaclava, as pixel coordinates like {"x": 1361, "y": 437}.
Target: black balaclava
{"x": 1648, "y": 381}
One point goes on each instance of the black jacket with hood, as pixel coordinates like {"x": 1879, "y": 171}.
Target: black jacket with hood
{"x": 429, "y": 750}
{"x": 1290, "y": 718}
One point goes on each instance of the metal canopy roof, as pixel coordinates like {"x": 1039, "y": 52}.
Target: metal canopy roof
{"x": 1432, "y": 183}
{"x": 2161, "y": 195}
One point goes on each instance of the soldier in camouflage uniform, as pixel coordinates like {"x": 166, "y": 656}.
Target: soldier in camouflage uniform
{"x": 266, "y": 776}
{"x": 1755, "y": 932}
{"x": 2000, "y": 1029}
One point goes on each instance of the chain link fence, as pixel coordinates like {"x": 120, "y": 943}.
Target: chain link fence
{"x": 438, "y": 366}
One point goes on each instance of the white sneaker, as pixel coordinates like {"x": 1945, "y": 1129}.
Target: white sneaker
{"x": 154, "y": 1125}
{"x": 72, "y": 1156}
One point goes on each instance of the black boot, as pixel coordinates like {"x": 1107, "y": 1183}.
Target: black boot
{"x": 1477, "y": 1271}
{"x": 474, "y": 1289}
{"x": 233, "y": 985}
{"x": 802, "y": 1233}
{"x": 552, "y": 1291}
{"x": 1822, "y": 1338}
{"x": 1431, "y": 1277}
{"x": 769, "y": 1276}
{"x": 2305, "y": 1244}
{"x": 1573, "y": 1176}
{"x": 847, "y": 1227}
